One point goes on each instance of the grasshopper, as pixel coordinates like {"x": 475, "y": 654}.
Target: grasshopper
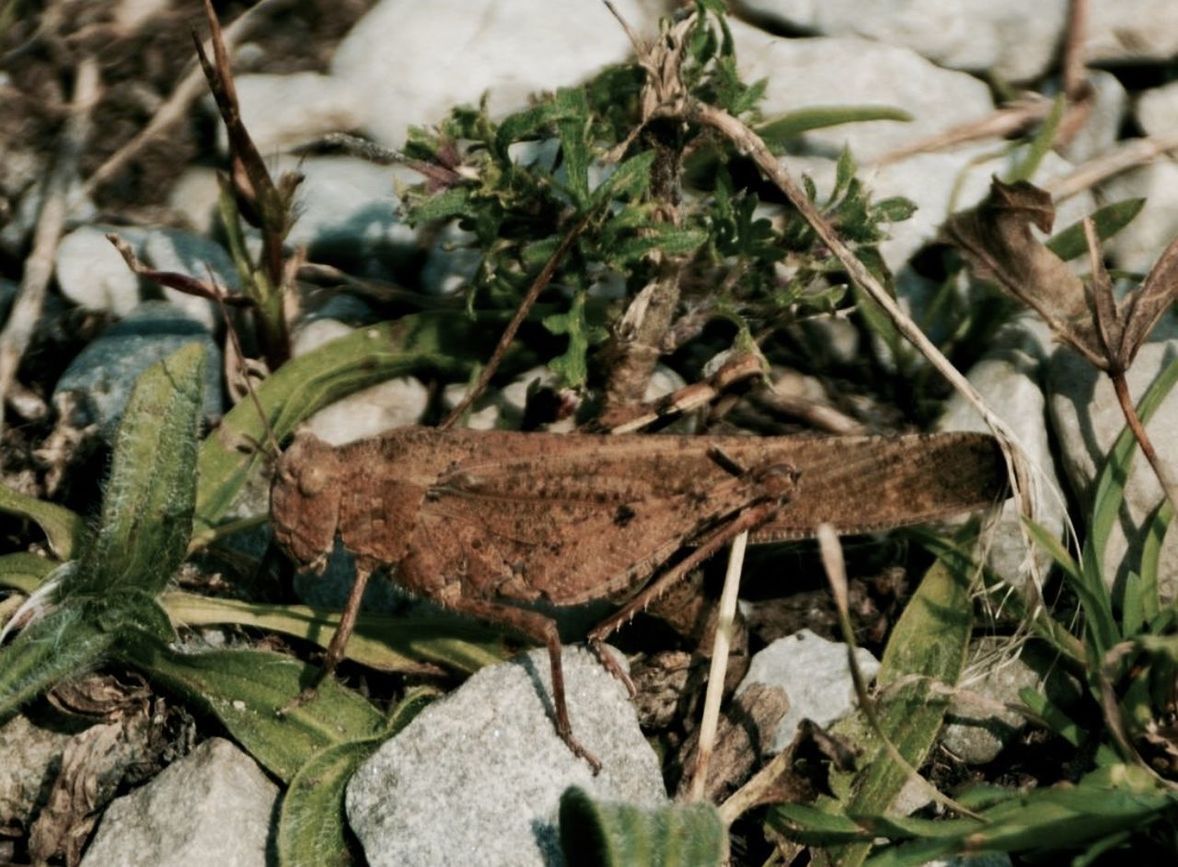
{"x": 486, "y": 523}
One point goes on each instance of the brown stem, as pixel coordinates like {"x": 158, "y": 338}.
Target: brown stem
{"x": 1169, "y": 487}
{"x": 538, "y": 285}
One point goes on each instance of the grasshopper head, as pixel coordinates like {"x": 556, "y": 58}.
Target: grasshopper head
{"x": 304, "y": 500}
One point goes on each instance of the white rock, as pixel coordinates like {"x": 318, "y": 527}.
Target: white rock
{"x": 1138, "y": 245}
{"x": 394, "y": 403}
{"x": 413, "y": 61}
{"x": 856, "y": 72}
{"x": 490, "y": 754}
{"x": 1009, "y": 378}
{"x": 1157, "y": 109}
{"x": 371, "y": 411}
{"x": 1103, "y": 126}
{"x": 284, "y": 111}
{"x": 348, "y": 207}
{"x": 1131, "y": 30}
{"x": 92, "y": 274}
{"x": 977, "y": 35}
{"x": 1087, "y": 419}
{"x": 815, "y": 676}
{"x": 214, "y": 806}
{"x": 195, "y": 195}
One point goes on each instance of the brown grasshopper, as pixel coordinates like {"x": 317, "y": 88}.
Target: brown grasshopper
{"x": 485, "y": 523}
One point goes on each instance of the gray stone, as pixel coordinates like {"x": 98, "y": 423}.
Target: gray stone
{"x": 1009, "y": 378}
{"x": 413, "y": 61}
{"x": 857, "y": 72}
{"x": 29, "y": 759}
{"x": 489, "y": 753}
{"x": 215, "y": 806}
{"x": 978, "y": 726}
{"x": 815, "y": 676}
{"x": 1001, "y": 36}
{"x": 1131, "y": 31}
{"x": 1087, "y": 419}
{"x": 1137, "y": 246}
{"x": 102, "y": 375}
{"x": 284, "y": 111}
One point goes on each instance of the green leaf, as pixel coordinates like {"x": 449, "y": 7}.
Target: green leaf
{"x": 147, "y": 506}
{"x": 573, "y": 367}
{"x": 926, "y": 650}
{"x": 1157, "y": 525}
{"x": 1108, "y": 802}
{"x": 230, "y": 457}
{"x": 446, "y": 205}
{"x": 597, "y": 834}
{"x": 629, "y": 180}
{"x": 408, "y": 644}
{"x": 1069, "y": 243}
{"x": 312, "y": 821}
{"x": 1106, "y": 504}
{"x": 784, "y": 128}
{"x": 24, "y": 572}
{"x": 63, "y": 529}
{"x": 573, "y": 128}
{"x": 62, "y": 644}
{"x": 247, "y": 689}
{"x": 896, "y": 209}
{"x": 1041, "y": 144}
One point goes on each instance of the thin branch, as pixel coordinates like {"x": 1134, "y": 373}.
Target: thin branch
{"x": 38, "y": 267}
{"x": 1075, "y": 72}
{"x": 538, "y": 285}
{"x": 1165, "y": 479}
{"x": 1125, "y": 156}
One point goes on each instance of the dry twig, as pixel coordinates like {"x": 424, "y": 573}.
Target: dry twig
{"x": 38, "y": 267}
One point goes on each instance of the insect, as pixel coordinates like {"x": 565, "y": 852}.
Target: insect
{"x": 486, "y": 523}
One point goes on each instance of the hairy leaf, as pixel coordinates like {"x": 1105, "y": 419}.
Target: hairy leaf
{"x": 148, "y": 504}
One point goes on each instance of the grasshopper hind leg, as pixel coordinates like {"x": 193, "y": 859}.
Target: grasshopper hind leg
{"x": 541, "y": 629}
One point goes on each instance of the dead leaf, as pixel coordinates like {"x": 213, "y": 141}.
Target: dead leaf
{"x": 996, "y": 237}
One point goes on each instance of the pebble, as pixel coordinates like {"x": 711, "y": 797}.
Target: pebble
{"x": 815, "y": 676}
{"x": 214, "y": 806}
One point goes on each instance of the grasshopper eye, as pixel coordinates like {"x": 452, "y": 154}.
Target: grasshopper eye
{"x": 313, "y": 481}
